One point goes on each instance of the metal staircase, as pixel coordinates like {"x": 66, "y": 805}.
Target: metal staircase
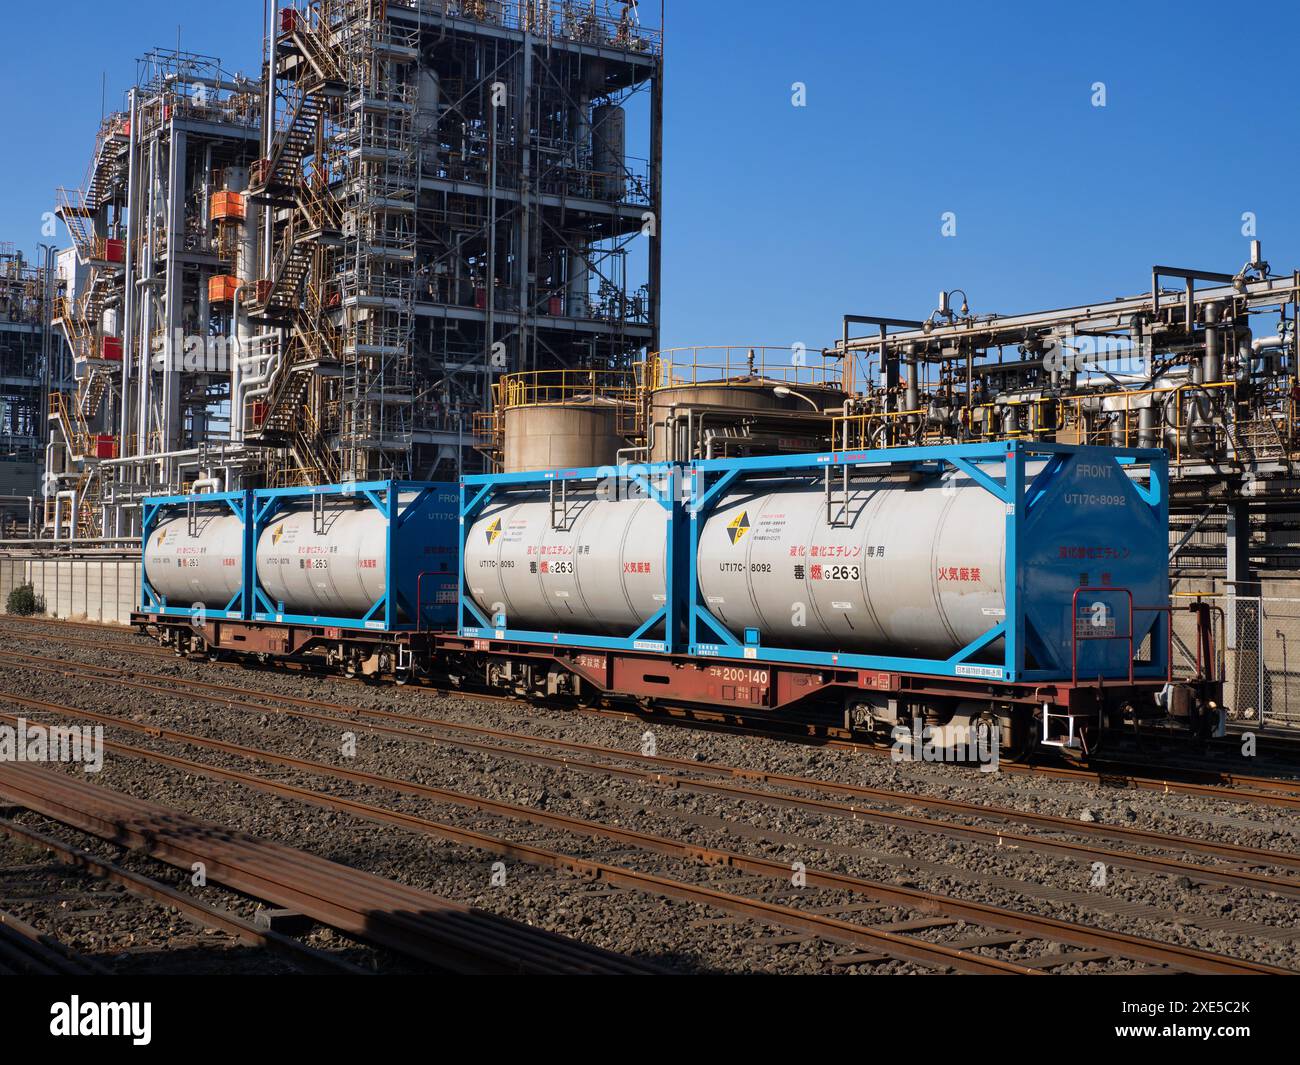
{"x": 1255, "y": 440}
{"x": 284, "y": 404}
{"x": 81, "y": 317}
{"x": 304, "y": 31}
{"x": 278, "y": 297}
{"x": 92, "y": 395}
{"x": 281, "y": 170}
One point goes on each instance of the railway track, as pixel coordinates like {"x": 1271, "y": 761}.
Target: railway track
{"x": 1212, "y": 783}
{"x": 1091, "y": 943}
{"x": 27, "y": 951}
{"x": 656, "y": 774}
{"x": 201, "y": 914}
{"x": 448, "y": 936}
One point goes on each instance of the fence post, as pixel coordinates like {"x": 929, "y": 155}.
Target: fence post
{"x": 1263, "y": 711}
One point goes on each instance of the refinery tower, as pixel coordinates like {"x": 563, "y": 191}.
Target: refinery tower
{"x": 319, "y": 272}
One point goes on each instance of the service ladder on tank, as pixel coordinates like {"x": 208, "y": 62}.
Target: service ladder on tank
{"x": 837, "y": 499}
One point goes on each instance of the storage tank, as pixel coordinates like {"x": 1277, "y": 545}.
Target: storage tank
{"x": 903, "y": 561}
{"x": 556, "y": 435}
{"x": 679, "y": 412}
{"x": 198, "y": 562}
{"x": 871, "y": 585}
{"x": 602, "y": 571}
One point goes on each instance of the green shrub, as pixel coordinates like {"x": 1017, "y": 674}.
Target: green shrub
{"x": 24, "y": 601}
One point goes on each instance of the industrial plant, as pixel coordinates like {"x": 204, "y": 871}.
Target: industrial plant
{"x": 342, "y": 463}
{"x": 324, "y": 271}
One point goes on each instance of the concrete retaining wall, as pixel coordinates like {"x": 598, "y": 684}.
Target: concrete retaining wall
{"x": 93, "y": 587}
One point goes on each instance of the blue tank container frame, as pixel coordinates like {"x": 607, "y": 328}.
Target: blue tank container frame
{"x": 155, "y": 509}
{"x": 1048, "y": 553}
{"x": 420, "y": 573}
{"x": 658, "y": 481}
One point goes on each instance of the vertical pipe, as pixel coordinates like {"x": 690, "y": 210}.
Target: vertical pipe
{"x": 174, "y": 296}
{"x": 913, "y": 399}
{"x": 656, "y": 189}
{"x": 1212, "y": 361}
{"x": 148, "y": 301}
{"x": 523, "y": 257}
{"x": 268, "y": 124}
{"x": 133, "y": 357}
{"x": 489, "y": 299}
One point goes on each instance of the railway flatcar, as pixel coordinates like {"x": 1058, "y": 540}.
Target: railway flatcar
{"x": 340, "y": 574}
{"x": 1006, "y": 589}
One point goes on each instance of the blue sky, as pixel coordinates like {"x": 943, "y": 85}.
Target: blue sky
{"x": 778, "y": 219}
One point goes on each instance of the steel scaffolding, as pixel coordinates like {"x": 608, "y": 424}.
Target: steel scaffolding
{"x": 320, "y": 274}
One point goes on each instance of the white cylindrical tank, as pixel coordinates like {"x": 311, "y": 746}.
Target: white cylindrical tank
{"x": 204, "y": 569}
{"x": 602, "y": 572}
{"x": 338, "y": 571}
{"x": 915, "y": 570}
{"x": 608, "y": 148}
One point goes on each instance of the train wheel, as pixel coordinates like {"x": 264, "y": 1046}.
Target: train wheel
{"x": 988, "y": 734}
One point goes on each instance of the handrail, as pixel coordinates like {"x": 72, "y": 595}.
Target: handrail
{"x": 719, "y": 363}
{"x": 1074, "y": 629}
{"x": 1071, "y": 412}
{"x": 530, "y": 388}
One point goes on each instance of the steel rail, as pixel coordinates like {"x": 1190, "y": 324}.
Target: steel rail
{"x": 1214, "y": 848}
{"x": 445, "y": 934}
{"x": 892, "y": 944}
{"x": 30, "y": 948}
{"x": 998, "y": 837}
{"x": 1230, "y": 787}
{"x": 200, "y": 912}
{"x": 1117, "y": 943}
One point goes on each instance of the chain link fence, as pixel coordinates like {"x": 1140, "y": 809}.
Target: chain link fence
{"x": 1260, "y": 641}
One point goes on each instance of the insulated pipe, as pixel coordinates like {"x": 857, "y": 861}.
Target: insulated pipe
{"x": 69, "y": 494}
{"x": 913, "y": 396}
{"x": 1212, "y": 360}
{"x": 236, "y": 375}
{"x": 1147, "y": 436}
{"x": 257, "y": 384}
{"x": 236, "y": 180}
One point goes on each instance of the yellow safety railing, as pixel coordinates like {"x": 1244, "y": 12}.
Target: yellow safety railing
{"x": 1099, "y": 418}
{"x": 888, "y": 428}
{"x": 318, "y": 204}
{"x": 75, "y": 430}
{"x": 327, "y": 466}
{"x": 293, "y": 477}
{"x": 792, "y": 366}
{"x": 531, "y": 388}
{"x": 1038, "y": 419}
{"x": 877, "y": 429}
{"x": 1072, "y": 414}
